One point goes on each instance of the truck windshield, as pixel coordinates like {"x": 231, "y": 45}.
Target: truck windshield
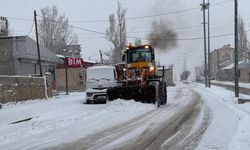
{"x": 139, "y": 55}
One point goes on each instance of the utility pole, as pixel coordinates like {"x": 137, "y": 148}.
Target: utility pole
{"x": 208, "y": 44}
{"x": 101, "y": 58}
{"x": 37, "y": 44}
{"x": 205, "y": 45}
{"x": 66, "y": 75}
{"x": 120, "y": 25}
{"x": 218, "y": 64}
{"x": 236, "y": 70}
{"x": 185, "y": 62}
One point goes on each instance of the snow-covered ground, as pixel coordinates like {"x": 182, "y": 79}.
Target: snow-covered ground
{"x": 65, "y": 119}
{"x": 230, "y": 126}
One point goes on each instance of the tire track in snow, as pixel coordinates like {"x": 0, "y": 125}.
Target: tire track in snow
{"x": 169, "y": 116}
{"x": 188, "y": 134}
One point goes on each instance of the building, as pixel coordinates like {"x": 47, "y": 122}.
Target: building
{"x": 73, "y": 51}
{"x": 221, "y": 58}
{"x": 244, "y": 72}
{"x": 76, "y": 74}
{"x": 18, "y": 56}
{"x": 227, "y": 73}
{"x": 199, "y": 73}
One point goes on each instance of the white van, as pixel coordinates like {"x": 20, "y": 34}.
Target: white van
{"x": 99, "y": 78}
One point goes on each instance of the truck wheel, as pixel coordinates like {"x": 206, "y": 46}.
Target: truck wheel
{"x": 88, "y": 102}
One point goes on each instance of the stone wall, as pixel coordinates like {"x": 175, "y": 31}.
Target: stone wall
{"x": 20, "y": 88}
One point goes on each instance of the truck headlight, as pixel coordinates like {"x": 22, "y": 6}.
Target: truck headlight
{"x": 151, "y": 68}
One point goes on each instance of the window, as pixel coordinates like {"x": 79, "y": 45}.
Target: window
{"x": 139, "y": 55}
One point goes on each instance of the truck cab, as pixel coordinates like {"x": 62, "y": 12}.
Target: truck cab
{"x": 99, "y": 78}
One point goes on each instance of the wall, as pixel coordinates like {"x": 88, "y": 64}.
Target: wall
{"x": 74, "y": 80}
{"x": 220, "y": 58}
{"x": 20, "y": 88}
{"x": 18, "y": 56}
{"x": 6, "y": 58}
{"x": 244, "y": 76}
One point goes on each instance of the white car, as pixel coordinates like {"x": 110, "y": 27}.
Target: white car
{"x": 99, "y": 78}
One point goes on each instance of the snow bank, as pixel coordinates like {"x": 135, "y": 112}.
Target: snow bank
{"x": 230, "y": 127}
{"x": 120, "y": 105}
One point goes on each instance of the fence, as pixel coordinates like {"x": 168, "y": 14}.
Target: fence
{"x": 20, "y": 88}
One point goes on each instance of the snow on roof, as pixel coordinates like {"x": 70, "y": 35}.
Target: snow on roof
{"x": 60, "y": 56}
{"x": 245, "y": 65}
{"x": 90, "y": 61}
{"x": 231, "y": 66}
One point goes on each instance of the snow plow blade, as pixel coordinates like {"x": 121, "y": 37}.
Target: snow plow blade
{"x": 145, "y": 94}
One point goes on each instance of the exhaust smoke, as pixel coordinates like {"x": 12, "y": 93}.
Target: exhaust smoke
{"x": 162, "y": 36}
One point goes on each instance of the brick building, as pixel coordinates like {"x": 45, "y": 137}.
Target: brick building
{"x": 221, "y": 58}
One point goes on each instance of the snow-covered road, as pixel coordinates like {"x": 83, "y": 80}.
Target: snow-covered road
{"x": 65, "y": 119}
{"x": 194, "y": 115}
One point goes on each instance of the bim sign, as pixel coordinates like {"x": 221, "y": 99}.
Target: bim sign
{"x": 74, "y": 62}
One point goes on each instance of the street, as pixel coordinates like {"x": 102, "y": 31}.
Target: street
{"x": 190, "y": 119}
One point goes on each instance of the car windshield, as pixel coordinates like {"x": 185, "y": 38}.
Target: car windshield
{"x": 100, "y": 74}
{"x": 139, "y": 55}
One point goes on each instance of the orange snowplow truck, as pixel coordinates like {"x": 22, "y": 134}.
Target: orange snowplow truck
{"x": 140, "y": 81}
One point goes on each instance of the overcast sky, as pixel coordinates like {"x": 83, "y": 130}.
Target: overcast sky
{"x": 186, "y": 23}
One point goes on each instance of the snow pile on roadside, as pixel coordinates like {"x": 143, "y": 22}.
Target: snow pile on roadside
{"x": 228, "y": 115}
{"x": 120, "y": 105}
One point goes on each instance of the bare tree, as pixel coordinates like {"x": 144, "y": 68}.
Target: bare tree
{"x": 243, "y": 43}
{"x": 54, "y": 30}
{"x": 116, "y": 33}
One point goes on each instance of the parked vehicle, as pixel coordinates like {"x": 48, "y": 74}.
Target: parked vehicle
{"x": 99, "y": 78}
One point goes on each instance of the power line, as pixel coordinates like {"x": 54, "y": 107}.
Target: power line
{"x": 131, "y": 18}
{"x": 84, "y": 29}
{"x": 183, "y": 39}
{"x": 20, "y": 19}
{"x": 146, "y": 31}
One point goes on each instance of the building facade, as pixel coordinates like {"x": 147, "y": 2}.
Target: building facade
{"x": 18, "y": 56}
{"x": 73, "y": 51}
{"x": 221, "y": 58}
